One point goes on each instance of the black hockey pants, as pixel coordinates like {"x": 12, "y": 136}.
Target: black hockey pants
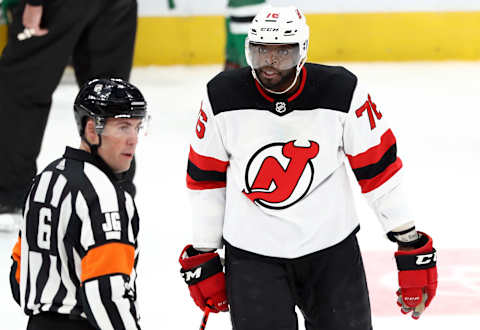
{"x": 328, "y": 286}
{"x": 56, "y": 321}
{"x": 98, "y": 35}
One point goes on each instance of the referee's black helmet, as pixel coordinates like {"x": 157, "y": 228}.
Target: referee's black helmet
{"x": 100, "y": 99}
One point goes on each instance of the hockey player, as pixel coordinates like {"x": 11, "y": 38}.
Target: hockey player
{"x": 267, "y": 178}
{"x": 74, "y": 264}
{"x": 96, "y": 36}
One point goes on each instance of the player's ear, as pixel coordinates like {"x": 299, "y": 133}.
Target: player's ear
{"x": 90, "y": 132}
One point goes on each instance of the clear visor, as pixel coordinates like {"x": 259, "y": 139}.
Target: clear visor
{"x": 126, "y": 127}
{"x": 277, "y": 56}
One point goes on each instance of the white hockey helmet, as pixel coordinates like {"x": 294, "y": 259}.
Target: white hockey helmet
{"x": 278, "y": 25}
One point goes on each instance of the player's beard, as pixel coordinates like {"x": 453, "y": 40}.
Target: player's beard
{"x": 277, "y": 82}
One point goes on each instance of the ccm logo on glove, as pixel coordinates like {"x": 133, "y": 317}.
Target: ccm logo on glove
{"x": 188, "y": 276}
{"x": 426, "y": 259}
{"x": 203, "y": 273}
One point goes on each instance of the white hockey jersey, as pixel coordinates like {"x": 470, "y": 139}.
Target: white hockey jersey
{"x": 268, "y": 174}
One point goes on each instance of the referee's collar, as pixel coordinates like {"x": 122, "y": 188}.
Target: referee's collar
{"x": 85, "y": 156}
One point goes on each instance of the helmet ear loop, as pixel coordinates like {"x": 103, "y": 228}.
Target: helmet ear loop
{"x": 93, "y": 147}
{"x": 304, "y": 60}
{"x": 300, "y": 65}
{"x": 99, "y": 127}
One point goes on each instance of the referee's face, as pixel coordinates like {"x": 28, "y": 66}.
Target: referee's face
{"x": 119, "y": 141}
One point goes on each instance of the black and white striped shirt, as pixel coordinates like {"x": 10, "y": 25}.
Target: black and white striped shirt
{"x": 77, "y": 249}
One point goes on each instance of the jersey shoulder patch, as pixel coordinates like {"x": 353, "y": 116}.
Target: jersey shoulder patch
{"x": 233, "y": 90}
{"x": 328, "y": 87}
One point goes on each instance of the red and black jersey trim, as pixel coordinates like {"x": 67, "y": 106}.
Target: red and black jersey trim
{"x": 205, "y": 172}
{"x": 375, "y": 166}
{"x": 303, "y": 79}
{"x": 371, "y": 171}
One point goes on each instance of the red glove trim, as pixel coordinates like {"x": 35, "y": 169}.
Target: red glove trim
{"x": 417, "y": 273}
{"x": 203, "y": 272}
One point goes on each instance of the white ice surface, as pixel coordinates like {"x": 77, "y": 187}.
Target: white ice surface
{"x": 433, "y": 108}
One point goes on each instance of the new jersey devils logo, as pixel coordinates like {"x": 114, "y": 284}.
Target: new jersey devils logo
{"x": 280, "y": 174}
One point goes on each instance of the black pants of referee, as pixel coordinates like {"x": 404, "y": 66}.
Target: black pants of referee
{"x": 328, "y": 286}
{"x": 56, "y": 321}
{"x": 97, "y": 35}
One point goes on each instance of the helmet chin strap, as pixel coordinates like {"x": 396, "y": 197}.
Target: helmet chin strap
{"x": 299, "y": 68}
{"x": 93, "y": 147}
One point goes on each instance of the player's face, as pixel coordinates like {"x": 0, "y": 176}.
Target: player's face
{"x": 119, "y": 141}
{"x": 276, "y": 80}
{"x": 275, "y": 65}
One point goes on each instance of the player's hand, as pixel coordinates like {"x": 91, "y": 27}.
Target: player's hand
{"x": 203, "y": 273}
{"x": 417, "y": 276}
{"x": 32, "y": 16}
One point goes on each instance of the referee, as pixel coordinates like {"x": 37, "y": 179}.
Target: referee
{"x": 74, "y": 264}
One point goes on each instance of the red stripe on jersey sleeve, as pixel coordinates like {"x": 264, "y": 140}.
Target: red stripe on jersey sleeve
{"x": 203, "y": 185}
{"x": 377, "y": 181}
{"x": 207, "y": 163}
{"x": 374, "y": 154}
